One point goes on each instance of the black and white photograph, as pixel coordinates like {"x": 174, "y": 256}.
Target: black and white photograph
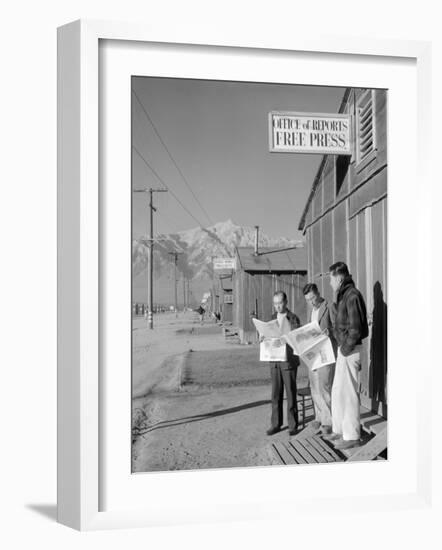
{"x": 212, "y": 314}
{"x": 259, "y": 270}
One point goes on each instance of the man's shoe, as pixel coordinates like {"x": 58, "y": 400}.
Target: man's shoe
{"x": 332, "y": 437}
{"x": 273, "y": 431}
{"x": 326, "y": 430}
{"x": 347, "y": 444}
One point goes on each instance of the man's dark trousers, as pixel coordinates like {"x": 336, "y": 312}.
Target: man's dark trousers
{"x": 283, "y": 374}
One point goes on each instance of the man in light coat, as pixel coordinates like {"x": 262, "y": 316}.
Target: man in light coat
{"x": 321, "y": 380}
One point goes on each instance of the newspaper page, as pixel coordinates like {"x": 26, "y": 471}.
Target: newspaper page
{"x": 312, "y": 345}
{"x": 267, "y": 330}
{"x": 320, "y": 355}
{"x": 305, "y": 338}
{"x": 273, "y": 349}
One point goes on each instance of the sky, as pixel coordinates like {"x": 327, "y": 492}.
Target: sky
{"x": 217, "y": 135}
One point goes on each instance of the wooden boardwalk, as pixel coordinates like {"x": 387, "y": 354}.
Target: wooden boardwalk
{"x": 306, "y": 450}
{"x": 309, "y": 448}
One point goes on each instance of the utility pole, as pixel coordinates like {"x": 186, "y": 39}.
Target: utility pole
{"x": 152, "y": 209}
{"x": 175, "y": 255}
{"x": 184, "y": 292}
{"x": 256, "y": 240}
{"x": 213, "y": 285}
{"x": 189, "y": 293}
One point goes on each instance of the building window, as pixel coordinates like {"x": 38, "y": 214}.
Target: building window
{"x": 365, "y": 126}
{"x": 342, "y": 164}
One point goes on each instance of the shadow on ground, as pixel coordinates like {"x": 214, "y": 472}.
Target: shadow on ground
{"x": 205, "y": 416}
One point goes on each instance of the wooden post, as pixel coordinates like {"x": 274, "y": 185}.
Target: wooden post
{"x": 175, "y": 255}
{"x": 184, "y": 293}
{"x": 152, "y": 209}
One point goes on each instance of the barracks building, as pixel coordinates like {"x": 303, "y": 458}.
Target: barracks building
{"x": 345, "y": 219}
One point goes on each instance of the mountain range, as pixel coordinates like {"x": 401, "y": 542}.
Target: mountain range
{"x": 197, "y": 246}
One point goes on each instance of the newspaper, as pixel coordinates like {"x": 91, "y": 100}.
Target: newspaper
{"x": 273, "y": 347}
{"x": 320, "y": 355}
{"x": 273, "y": 350}
{"x": 305, "y": 338}
{"x": 312, "y": 345}
{"x": 309, "y": 342}
{"x": 267, "y": 330}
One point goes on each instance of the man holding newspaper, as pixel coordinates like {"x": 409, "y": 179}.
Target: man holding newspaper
{"x": 312, "y": 343}
{"x": 321, "y": 380}
{"x": 283, "y": 362}
{"x": 308, "y": 342}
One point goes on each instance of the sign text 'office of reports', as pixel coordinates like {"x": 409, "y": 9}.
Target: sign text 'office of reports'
{"x": 309, "y": 133}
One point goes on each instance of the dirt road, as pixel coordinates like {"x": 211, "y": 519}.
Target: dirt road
{"x": 156, "y": 351}
{"x": 205, "y": 408}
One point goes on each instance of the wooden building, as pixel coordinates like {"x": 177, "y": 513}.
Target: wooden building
{"x": 226, "y": 297}
{"x": 345, "y": 219}
{"x": 255, "y": 280}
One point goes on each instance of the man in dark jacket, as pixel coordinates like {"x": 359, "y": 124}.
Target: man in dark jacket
{"x": 350, "y": 328}
{"x": 283, "y": 373}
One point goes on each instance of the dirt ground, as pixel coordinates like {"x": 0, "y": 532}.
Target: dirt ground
{"x": 198, "y": 400}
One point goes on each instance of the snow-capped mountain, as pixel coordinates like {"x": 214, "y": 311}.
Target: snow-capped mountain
{"x": 197, "y": 246}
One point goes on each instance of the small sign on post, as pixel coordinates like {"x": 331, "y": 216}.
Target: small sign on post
{"x": 324, "y": 134}
{"x": 224, "y": 263}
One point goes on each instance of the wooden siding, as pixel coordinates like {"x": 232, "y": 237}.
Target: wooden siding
{"x": 374, "y": 189}
{"x": 327, "y": 253}
{"x": 317, "y": 201}
{"x": 340, "y": 236}
{"x": 378, "y": 318}
{"x": 316, "y": 247}
{"x": 351, "y": 226}
{"x": 329, "y": 182}
{"x": 257, "y": 291}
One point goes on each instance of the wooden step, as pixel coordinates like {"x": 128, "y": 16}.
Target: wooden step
{"x": 372, "y": 422}
{"x": 372, "y": 448}
{"x": 306, "y": 450}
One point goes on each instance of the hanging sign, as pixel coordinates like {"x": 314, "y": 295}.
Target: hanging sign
{"x": 324, "y": 134}
{"x": 224, "y": 263}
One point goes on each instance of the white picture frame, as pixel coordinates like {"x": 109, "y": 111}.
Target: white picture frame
{"x": 80, "y": 393}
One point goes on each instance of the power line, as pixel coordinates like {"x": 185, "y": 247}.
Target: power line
{"x": 174, "y": 195}
{"x": 171, "y": 157}
{"x": 165, "y": 185}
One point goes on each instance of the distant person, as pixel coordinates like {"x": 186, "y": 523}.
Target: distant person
{"x": 283, "y": 373}
{"x": 350, "y": 328}
{"x": 321, "y": 380}
{"x": 201, "y": 311}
